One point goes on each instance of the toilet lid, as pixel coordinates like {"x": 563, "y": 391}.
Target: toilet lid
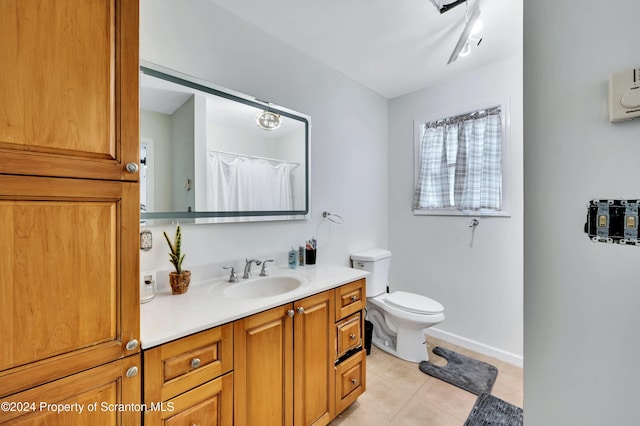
{"x": 414, "y": 303}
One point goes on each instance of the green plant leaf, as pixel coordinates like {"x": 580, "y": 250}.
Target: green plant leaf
{"x": 175, "y": 257}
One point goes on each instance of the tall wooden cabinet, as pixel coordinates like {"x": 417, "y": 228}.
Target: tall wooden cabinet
{"x": 69, "y": 199}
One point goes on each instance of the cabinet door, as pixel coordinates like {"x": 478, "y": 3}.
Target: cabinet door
{"x": 350, "y": 298}
{"x": 349, "y": 333}
{"x": 351, "y": 380}
{"x": 105, "y": 395}
{"x": 69, "y": 88}
{"x": 263, "y": 368}
{"x": 314, "y": 356}
{"x": 69, "y": 290}
{"x": 210, "y": 404}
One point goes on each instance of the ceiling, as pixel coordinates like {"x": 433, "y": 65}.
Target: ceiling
{"x": 392, "y": 47}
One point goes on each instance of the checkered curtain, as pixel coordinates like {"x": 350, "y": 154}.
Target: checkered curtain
{"x": 465, "y": 151}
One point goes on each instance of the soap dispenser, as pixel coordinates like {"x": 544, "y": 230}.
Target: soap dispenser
{"x": 293, "y": 258}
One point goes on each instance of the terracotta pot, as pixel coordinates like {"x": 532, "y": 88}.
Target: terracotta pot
{"x": 179, "y": 282}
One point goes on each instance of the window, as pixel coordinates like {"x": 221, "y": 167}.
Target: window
{"x": 459, "y": 164}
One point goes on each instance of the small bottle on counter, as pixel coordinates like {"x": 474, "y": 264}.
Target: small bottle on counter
{"x": 293, "y": 258}
{"x": 301, "y": 255}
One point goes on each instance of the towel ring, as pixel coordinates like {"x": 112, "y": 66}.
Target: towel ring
{"x": 335, "y": 218}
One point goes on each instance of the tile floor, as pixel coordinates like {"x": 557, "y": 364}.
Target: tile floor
{"x": 399, "y": 394}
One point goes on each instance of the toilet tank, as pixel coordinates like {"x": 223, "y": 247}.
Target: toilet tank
{"x": 377, "y": 262}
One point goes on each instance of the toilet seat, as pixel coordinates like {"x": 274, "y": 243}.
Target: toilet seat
{"x": 414, "y": 303}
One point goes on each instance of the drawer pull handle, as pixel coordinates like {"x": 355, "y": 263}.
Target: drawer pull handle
{"x": 291, "y": 313}
{"x": 195, "y": 363}
{"x": 131, "y": 167}
{"x": 132, "y": 371}
{"x": 300, "y": 310}
{"x": 354, "y": 381}
{"x": 353, "y": 336}
{"x": 354, "y": 298}
{"x": 132, "y": 344}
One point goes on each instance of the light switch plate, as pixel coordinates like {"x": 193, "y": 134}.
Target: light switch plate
{"x": 624, "y": 95}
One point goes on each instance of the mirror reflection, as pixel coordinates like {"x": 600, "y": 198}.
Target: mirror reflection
{"x": 214, "y": 155}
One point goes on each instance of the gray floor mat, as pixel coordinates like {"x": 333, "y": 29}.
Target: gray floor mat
{"x": 490, "y": 410}
{"x": 469, "y": 374}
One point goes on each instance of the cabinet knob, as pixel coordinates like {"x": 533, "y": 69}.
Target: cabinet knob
{"x": 354, "y": 298}
{"x": 131, "y": 345}
{"x": 132, "y": 371}
{"x": 291, "y": 313}
{"x": 195, "y": 363}
{"x": 354, "y": 381}
{"x": 300, "y": 310}
{"x": 131, "y": 167}
{"x": 353, "y": 336}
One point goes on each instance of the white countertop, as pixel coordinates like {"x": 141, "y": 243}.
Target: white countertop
{"x": 168, "y": 317}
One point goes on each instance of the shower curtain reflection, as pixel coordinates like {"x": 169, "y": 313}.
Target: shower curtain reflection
{"x": 237, "y": 182}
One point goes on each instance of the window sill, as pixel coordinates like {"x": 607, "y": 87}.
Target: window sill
{"x": 465, "y": 213}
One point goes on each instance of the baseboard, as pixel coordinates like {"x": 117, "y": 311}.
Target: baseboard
{"x": 505, "y": 356}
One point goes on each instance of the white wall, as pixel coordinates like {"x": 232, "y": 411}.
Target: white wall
{"x": 481, "y": 285}
{"x": 581, "y": 305}
{"x": 349, "y": 170}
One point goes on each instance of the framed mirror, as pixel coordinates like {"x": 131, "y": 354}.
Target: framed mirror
{"x": 209, "y": 154}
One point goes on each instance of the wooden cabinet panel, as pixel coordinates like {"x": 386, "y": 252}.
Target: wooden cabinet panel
{"x": 350, "y": 370}
{"x": 263, "y": 368}
{"x": 271, "y": 388}
{"x": 349, "y": 333}
{"x": 350, "y": 380}
{"x": 210, "y": 404}
{"x": 100, "y": 396}
{"x": 350, "y": 298}
{"x": 176, "y": 367}
{"x": 314, "y": 352}
{"x": 69, "y": 292}
{"x": 69, "y": 88}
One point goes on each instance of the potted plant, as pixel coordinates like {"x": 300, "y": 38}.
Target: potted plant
{"x": 179, "y": 279}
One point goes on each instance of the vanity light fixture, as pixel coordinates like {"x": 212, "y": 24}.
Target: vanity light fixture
{"x": 268, "y": 120}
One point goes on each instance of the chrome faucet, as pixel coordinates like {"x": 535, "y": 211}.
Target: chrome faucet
{"x": 247, "y": 267}
{"x": 263, "y": 271}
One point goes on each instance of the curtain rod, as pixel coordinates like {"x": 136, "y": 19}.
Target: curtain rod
{"x": 253, "y": 156}
{"x": 456, "y": 119}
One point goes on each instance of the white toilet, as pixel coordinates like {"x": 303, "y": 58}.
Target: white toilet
{"x": 399, "y": 318}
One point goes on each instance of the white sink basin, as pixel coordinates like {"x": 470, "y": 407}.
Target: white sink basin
{"x": 260, "y": 287}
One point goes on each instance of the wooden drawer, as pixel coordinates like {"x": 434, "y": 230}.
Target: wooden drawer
{"x": 350, "y": 380}
{"x": 209, "y": 404}
{"x": 350, "y": 298}
{"x": 349, "y": 332}
{"x": 175, "y": 367}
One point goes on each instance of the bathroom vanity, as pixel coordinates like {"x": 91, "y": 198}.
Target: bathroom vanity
{"x": 236, "y": 353}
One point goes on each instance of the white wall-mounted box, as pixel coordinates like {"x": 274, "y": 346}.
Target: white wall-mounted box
{"x": 624, "y": 95}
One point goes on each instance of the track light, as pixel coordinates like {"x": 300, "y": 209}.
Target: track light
{"x": 446, "y": 7}
{"x": 465, "y": 37}
{"x": 466, "y": 49}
